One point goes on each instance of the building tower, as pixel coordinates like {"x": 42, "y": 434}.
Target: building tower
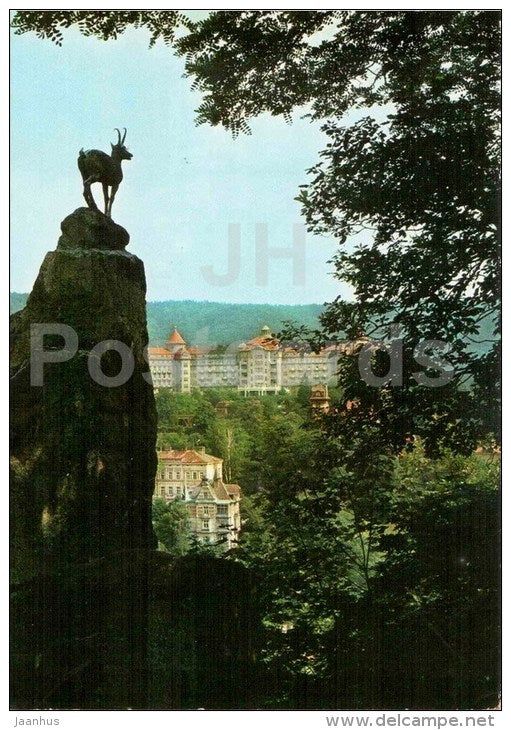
{"x": 175, "y": 342}
{"x": 319, "y": 399}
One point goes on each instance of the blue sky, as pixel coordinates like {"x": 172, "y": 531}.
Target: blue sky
{"x": 182, "y": 189}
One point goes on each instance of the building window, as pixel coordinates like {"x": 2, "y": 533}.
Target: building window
{"x": 222, "y": 510}
{"x": 205, "y": 524}
{"x": 206, "y": 509}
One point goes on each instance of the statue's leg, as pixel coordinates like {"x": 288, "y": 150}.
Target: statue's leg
{"x": 105, "y": 196}
{"x": 87, "y": 194}
{"x": 112, "y": 196}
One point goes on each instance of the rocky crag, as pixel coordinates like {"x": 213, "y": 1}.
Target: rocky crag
{"x": 82, "y": 474}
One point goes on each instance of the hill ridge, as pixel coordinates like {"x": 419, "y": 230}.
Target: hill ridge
{"x": 212, "y": 323}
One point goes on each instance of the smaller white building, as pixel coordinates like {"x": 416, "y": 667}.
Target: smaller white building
{"x": 213, "y": 507}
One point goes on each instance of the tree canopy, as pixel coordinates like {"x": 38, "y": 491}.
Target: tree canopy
{"x": 107, "y": 25}
{"x": 410, "y": 190}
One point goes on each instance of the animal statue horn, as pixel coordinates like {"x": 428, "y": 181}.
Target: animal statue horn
{"x": 119, "y": 140}
{"x": 99, "y": 167}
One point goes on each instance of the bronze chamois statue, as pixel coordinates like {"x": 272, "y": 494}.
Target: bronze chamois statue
{"x": 97, "y": 166}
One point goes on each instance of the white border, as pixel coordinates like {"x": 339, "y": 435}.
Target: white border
{"x": 248, "y": 720}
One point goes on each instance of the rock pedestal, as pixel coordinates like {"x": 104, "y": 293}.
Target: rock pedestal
{"x": 83, "y": 463}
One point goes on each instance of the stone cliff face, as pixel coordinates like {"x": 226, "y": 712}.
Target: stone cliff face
{"x": 83, "y": 464}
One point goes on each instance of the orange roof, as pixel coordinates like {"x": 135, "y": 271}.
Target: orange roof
{"x": 159, "y": 352}
{"x": 176, "y": 339}
{"x": 182, "y": 353}
{"x": 189, "y": 456}
{"x": 267, "y": 343}
{"x": 232, "y": 488}
{"x": 297, "y": 350}
{"x": 194, "y": 351}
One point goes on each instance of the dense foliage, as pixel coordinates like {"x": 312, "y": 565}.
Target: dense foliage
{"x": 413, "y": 185}
{"x": 171, "y": 525}
{"x": 254, "y": 436}
{"x": 391, "y": 593}
{"x": 105, "y": 25}
{"x": 363, "y": 564}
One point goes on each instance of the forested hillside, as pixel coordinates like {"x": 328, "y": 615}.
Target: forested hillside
{"x": 213, "y": 322}
{"x": 221, "y": 323}
{"x": 17, "y": 301}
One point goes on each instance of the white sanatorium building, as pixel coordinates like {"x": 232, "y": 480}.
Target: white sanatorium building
{"x": 261, "y": 365}
{"x": 213, "y": 507}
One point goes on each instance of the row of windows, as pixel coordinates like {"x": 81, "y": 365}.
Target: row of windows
{"x": 167, "y": 491}
{"x": 222, "y": 510}
{"x": 233, "y": 362}
{"x": 168, "y": 472}
{"x": 206, "y": 524}
{"x": 292, "y": 368}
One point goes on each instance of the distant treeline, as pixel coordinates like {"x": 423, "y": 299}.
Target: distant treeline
{"x": 219, "y": 323}
{"x": 213, "y": 322}
{"x": 17, "y": 301}
{"x": 222, "y": 324}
